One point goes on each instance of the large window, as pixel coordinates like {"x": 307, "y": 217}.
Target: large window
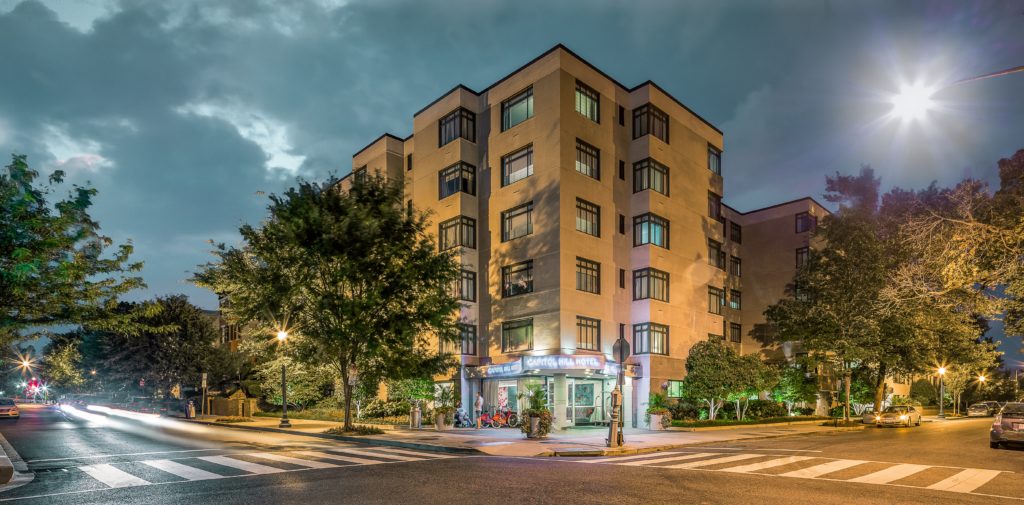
{"x": 457, "y": 231}
{"x": 650, "y": 338}
{"x": 649, "y": 119}
{"x": 805, "y": 222}
{"x": 715, "y": 206}
{"x": 735, "y": 266}
{"x": 588, "y": 334}
{"x": 735, "y": 300}
{"x": 735, "y": 332}
{"x": 359, "y": 175}
{"x": 649, "y": 174}
{"x": 517, "y": 335}
{"x": 716, "y": 298}
{"x": 517, "y": 109}
{"x": 460, "y": 123}
{"x": 458, "y": 177}
{"x": 650, "y": 283}
{"x": 588, "y": 218}
{"x": 517, "y": 222}
{"x": 588, "y": 275}
{"x": 588, "y": 160}
{"x": 714, "y": 160}
{"x": 517, "y": 279}
{"x": 468, "y": 338}
{"x": 802, "y": 255}
{"x": 735, "y": 233}
{"x": 716, "y": 256}
{"x": 467, "y": 286}
{"x": 674, "y": 389}
{"x": 650, "y": 229}
{"x": 588, "y": 102}
{"x": 517, "y": 165}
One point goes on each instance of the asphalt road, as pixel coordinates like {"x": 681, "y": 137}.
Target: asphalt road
{"x": 77, "y": 460}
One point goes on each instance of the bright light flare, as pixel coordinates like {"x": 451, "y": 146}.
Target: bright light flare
{"x": 942, "y": 370}
{"x": 912, "y": 102}
{"x": 282, "y": 336}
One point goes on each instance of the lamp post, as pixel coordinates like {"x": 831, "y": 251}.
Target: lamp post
{"x": 282, "y": 336}
{"x": 942, "y": 392}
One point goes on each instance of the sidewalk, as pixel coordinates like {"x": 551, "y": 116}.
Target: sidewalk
{"x": 511, "y": 442}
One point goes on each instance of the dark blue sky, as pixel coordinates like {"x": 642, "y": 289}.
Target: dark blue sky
{"x": 179, "y": 114}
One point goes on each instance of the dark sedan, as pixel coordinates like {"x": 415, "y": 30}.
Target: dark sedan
{"x": 1008, "y": 427}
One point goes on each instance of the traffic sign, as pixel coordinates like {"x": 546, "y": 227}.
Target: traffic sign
{"x": 620, "y": 350}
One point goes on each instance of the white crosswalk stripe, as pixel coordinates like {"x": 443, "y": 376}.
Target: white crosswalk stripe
{"x": 112, "y": 477}
{"x": 183, "y": 471}
{"x": 365, "y": 452}
{"x": 966, "y": 480}
{"x": 308, "y": 463}
{"x": 242, "y": 465}
{"x": 338, "y": 457}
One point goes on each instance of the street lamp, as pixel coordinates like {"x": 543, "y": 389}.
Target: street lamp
{"x": 282, "y": 336}
{"x": 942, "y": 392}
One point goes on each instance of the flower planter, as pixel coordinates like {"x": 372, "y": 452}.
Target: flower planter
{"x": 534, "y": 427}
{"x": 441, "y": 422}
{"x": 656, "y": 423}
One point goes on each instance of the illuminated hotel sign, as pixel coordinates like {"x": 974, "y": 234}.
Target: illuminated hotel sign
{"x": 580, "y": 363}
{"x": 563, "y": 362}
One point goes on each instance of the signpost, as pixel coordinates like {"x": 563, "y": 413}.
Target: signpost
{"x": 620, "y": 351}
{"x": 202, "y": 409}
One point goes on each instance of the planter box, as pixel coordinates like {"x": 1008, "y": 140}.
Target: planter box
{"x": 534, "y": 427}
{"x": 441, "y": 422}
{"x": 656, "y": 423}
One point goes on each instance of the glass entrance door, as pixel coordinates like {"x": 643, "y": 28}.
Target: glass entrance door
{"x": 585, "y": 396}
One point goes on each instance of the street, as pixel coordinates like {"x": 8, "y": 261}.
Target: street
{"x": 83, "y": 459}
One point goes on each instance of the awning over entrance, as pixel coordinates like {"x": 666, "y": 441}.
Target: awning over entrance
{"x": 553, "y": 363}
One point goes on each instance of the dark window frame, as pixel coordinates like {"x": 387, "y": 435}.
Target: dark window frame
{"x": 715, "y": 207}
{"x": 525, "y": 95}
{"x": 649, "y": 220}
{"x": 588, "y": 276}
{"x": 714, "y": 160}
{"x": 651, "y": 284}
{"x": 644, "y": 172}
{"x": 650, "y": 120}
{"x": 587, "y": 153}
{"x": 465, "y": 234}
{"x": 508, "y": 326}
{"x": 735, "y": 232}
{"x": 803, "y": 254}
{"x": 585, "y": 95}
{"x": 713, "y": 306}
{"x": 588, "y": 333}
{"x": 467, "y": 286}
{"x": 735, "y": 299}
{"x": 522, "y": 152}
{"x": 464, "y": 180}
{"x": 716, "y": 254}
{"x": 584, "y": 210}
{"x": 459, "y": 123}
{"x": 805, "y": 222}
{"x": 468, "y": 336}
{"x": 643, "y": 336}
{"x": 507, "y": 271}
{"x": 508, "y": 215}
{"x": 736, "y": 332}
{"x": 735, "y": 261}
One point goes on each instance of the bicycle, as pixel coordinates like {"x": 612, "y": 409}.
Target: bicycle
{"x": 504, "y": 418}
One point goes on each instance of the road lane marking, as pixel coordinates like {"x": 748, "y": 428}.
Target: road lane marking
{"x": 670, "y": 458}
{"x": 100, "y": 456}
{"x": 613, "y": 459}
{"x": 338, "y": 457}
{"x": 771, "y": 463}
{"x": 112, "y": 477}
{"x": 292, "y": 461}
{"x": 413, "y": 453}
{"x": 966, "y": 481}
{"x": 183, "y": 471}
{"x": 242, "y": 465}
{"x": 822, "y": 469}
{"x": 364, "y": 452}
{"x": 893, "y": 473}
{"x": 715, "y": 461}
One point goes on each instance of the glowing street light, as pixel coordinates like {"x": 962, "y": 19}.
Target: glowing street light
{"x": 942, "y": 392}
{"x": 282, "y": 336}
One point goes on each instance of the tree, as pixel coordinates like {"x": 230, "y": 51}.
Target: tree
{"x": 751, "y": 377}
{"x": 794, "y": 386}
{"x": 55, "y": 266}
{"x": 62, "y": 366}
{"x": 710, "y": 374}
{"x": 307, "y": 384}
{"x": 354, "y": 273}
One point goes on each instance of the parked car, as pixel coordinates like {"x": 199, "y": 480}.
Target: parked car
{"x": 1008, "y": 426}
{"x": 899, "y": 415}
{"x": 9, "y": 409}
{"x": 983, "y": 409}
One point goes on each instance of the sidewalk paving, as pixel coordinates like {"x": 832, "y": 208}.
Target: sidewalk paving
{"x": 511, "y": 442}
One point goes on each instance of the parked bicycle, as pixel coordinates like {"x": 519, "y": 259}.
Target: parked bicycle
{"x": 504, "y": 418}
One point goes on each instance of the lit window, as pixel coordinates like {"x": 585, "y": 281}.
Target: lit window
{"x": 735, "y": 301}
{"x": 735, "y": 267}
{"x": 714, "y": 206}
{"x": 467, "y": 286}
{"x": 650, "y": 283}
{"x": 716, "y": 298}
{"x": 468, "y": 332}
{"x": 588, "y": 102}
{"x": 650, "y": 229}
{"x": 649, "y": 119}
{"x": 588, "y": 218}
{"x": 650, "y": 338}
{"x": 714, "y": 160}
{"x": 517, "y": 279}
{"x": 588, "y": 275}
{"x": 588, "y": 334}
{"x": 716, "y": 257}
{"x": 588, "y": 160}
{"x": 517, "y": 335}
{"x": 458, "y": 177}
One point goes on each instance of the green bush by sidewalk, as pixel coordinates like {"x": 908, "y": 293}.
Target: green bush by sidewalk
{"x": 356, "y": 430}
{"x": 732, "y": 422}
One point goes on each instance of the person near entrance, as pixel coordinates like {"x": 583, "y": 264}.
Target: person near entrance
{"x": 478, "y": 408}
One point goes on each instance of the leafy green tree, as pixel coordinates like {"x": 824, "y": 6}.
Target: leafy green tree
{"x": 354, "y": 273}
{"x": 307, "y": 384}
{"x": 710, "y": 375}
{"x": 55, "y": 265}
{"x": 752, "y": 376}
{"x": 794, "y": 386}
{"x": 62, "y": 366}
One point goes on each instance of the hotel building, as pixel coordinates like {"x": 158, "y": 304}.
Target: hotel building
{"x": 581, "y": 211}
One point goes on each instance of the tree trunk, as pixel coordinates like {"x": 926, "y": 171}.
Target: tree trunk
{"x": 823, "y": 407}
{"x": 847, "y": 379}
{"x": 347, "y": 392}
{"x": 739, "y": 413}
{"x": 880, "y": 388}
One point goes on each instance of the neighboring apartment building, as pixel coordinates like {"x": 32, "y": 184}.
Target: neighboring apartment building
{"x": 582, "y": 210}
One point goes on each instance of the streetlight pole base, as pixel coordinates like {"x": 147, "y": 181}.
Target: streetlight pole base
{"x": 284, "y": 423}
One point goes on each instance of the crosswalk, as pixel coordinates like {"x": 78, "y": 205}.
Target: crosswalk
{"x": 243, "y": 464}
{"x": 957, "y": 480}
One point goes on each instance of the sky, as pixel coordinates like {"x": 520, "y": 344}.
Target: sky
{"x": 185, "y": 114}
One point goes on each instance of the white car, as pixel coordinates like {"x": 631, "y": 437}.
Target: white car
{"x": 9, "y": 409}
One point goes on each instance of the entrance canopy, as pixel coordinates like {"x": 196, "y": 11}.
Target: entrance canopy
{"x": 573, "y": 364}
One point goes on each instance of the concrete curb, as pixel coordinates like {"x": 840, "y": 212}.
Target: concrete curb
{"x": 10, "y": 462}
{"x": 745, "y": 426}
{"x": 345, "y": 438}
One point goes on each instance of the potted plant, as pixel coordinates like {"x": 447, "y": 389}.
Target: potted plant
{"x": 536, "y": 419}
{"x": 444, "y": 408}
{"x": 658, "y": 415}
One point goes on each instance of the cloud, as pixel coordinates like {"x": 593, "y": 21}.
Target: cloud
{"x": 74, "y": 155}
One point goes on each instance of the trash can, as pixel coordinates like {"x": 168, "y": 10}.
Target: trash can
{"x": 415, "y": 417}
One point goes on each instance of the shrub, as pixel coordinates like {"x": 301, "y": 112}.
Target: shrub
{"x": 762, "y": 409}
{"x": 356, "y": 430}
{"x": 233, "y": 419}
{"x": 804, "y": 411}
{"x": 683, "y": 409}
{"x": 657, "y": 405}
{"x": 378, "y": 408}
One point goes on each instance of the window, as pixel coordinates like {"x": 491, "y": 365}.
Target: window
{"x": 650, "y": 229}
{"x": 735, "y": 300}
{"x": 805, "y": 222}
{"x": 467, "y": 286}
{"x": 649, "y": 119}
{"x": 468, "y": 339}
{"x": 735, "y": 332}
{"x": 517, "y": 335}
{"x": 588, "y": 160}
{"x": 802, "y": 254}
{"x": 715, "y": 300}
{"x": 649, "y": 174}
{"x": 622, "y": 116}
{"x": 714, "y": 206}
{"x": 650, "y": 338}
{"x": 517, "y": 222}
{"x": 588, "y": 218}
{"x": 408, "y": 162}
{"x": 457, "y": 231}
{"x": 714, "y": 160}
{"x": 674, "y": 389}
{"x": 650, "y": 283}
{"x": 735, "y": 233}
{"x": 588, "y": 102}
{"x": 458, "y": 177}
{"x": 588, "y": 275}
{"x": 517, "y": 109}
{"x": 359, "y": 175}
{"x": 447, "y": 347}
{"x": 622, "y": 224}
{"x": 622, "y": 278}
{"x": 588, "y": 334}
{"x": 735, "y": 267}
{"x": 622, "y": 170}
{"x": 716, "y": 257}
{"x": 517, "y": 166}
{"x": 460, "y": 123}
{"x": 517, "y": 279}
